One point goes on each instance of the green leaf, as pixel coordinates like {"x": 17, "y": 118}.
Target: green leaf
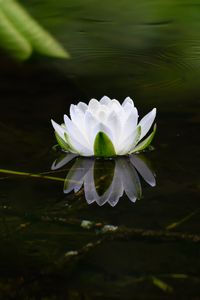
{"x": 36, "y": 35}
{"x": 103, "y": 145}
{"x": 63, "y": 144}
{"x": 12, "y": 40}
{"x": 144, "y": 144}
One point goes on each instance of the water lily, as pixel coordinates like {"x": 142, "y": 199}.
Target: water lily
{"x": 104, "y": 128}
{"x": 106, "y": 181}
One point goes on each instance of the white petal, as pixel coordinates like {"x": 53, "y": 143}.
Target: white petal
{"x": 82, "y": 106}
{"x": 59, "y": 130}
{"x": 115, "y": 126}
{"x": 128, "y": 130}
{"x": 132, "y": 119}
{"x": 90, "y": 123}
{"x": 74, "y": 132}
{"x": 146, "y": 122}
{"x": 102, "y": 116}
{"x": 127, "y": 100}
{"x": 77, "y": 117}
{"x": 80, "y": 149}
{"x": 74, "y": 114}
{"x": 128, "y": 108}
{"x": 77, "y": 139}
{"x": 129, "y": 143}
{"x": 103, "y": 128}
{"x": 105, "y": 100}
{"x": 93, "y": 105}
{"x": 116, "y": 106}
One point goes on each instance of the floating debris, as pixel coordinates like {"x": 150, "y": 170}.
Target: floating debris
{"x": 86, "y": 224}
{"x": 71, "y": 253}
{"x": 109, "y": 228}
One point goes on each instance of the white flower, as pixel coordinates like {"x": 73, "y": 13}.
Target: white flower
{"x": 104, "y": 128}
{"x": 120, "y": 176}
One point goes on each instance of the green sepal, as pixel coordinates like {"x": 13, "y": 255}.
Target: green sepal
{"x": 70, "y": 147}
{"x": 64, "y": 145}
{"x": 103, "y": 145}
{"x": 144, "y": 144}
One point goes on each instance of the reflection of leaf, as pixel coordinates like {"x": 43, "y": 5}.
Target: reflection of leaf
{"x": 25, "y": 29}
{"x": 103, "y": 175}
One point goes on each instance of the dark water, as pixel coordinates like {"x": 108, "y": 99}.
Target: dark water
{"x": 143, "y": 249}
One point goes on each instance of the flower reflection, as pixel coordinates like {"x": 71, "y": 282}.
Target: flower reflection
{"x": 105, "y": 181}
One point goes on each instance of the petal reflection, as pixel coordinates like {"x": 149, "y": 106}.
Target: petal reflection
{"x": 105, "y": 181}
{"x": 143, "y": 170}
{"x": 76, "y": 175}
{"x": 62, "y": 161}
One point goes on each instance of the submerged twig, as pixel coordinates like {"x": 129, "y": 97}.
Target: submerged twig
{"x": 156, "y": 235}
{"x": 183, "y": 220}
{"x": 122, "y": 232}
{"x": 35, "y": 175}
{"x": 19, "y": 173}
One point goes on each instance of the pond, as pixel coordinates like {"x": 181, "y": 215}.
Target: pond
{"x": 131, "y": 228}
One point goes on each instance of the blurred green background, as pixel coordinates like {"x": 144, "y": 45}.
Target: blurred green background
{"x": 146, "y": 48}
